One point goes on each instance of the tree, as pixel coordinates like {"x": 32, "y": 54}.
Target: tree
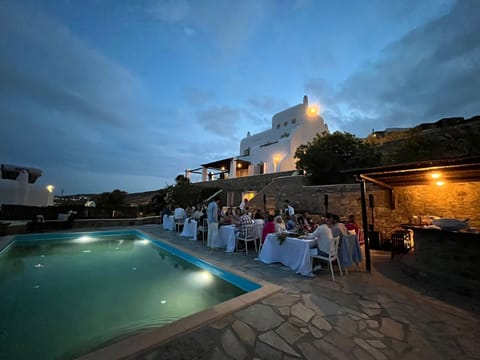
{"x": 113, "y": 201}
{"x": 327, "y": 154}
{"x": 184, "y": 194}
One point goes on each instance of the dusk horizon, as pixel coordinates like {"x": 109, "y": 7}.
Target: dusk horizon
{"x": 127, "y": 95}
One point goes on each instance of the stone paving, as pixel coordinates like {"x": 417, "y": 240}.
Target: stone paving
{"x": 360, "y": 316}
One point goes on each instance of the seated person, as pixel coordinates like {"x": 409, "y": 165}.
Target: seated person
{"x": 352, "y": 228}
{"x": 305, "y": 223}
{"x": 323, "y": 235}
{"x": 279, "y": 224}
{"x": 237, "y": 213}
{"x": 269, "y": 227}
{"x": 290, "y": 225}
{"x": 259, "y": 215}
{"x": 243, "y": 223}
{"x": 228, "y": 219}
{"x": 338, "y": 228}
{"x": 197, "y": 214}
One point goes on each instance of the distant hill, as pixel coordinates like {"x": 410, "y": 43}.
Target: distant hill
{"x": 141, "y": 198}
{"x": 446, "y": 138}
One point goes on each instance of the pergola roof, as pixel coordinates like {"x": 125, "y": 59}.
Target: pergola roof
{"x": 224, "y": 165}
{"x": 466, "y": 169}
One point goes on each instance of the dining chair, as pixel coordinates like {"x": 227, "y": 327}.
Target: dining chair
{"x": 332, "y": 256}
{"x": 249, "y": 235}
{"x": 258, "y": 229}
{"x": 178, "y": 223}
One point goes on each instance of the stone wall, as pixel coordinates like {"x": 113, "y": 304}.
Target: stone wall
{"x": 449, "y": 256}
{"x": 455, "y": 200}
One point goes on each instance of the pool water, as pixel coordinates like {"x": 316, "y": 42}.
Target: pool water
{"x": 61, "y": 298}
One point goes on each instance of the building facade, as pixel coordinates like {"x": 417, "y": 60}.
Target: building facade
{"x": 272, "y": 150}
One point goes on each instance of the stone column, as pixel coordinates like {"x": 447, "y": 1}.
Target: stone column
{"x": 233, "y": 169}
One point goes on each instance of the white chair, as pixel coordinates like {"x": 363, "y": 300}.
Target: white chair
{"x": 203, "y": 228}
{"x": 258, "y": 225}
{"x": 333, "y": 255}
{"x": 178, "y": 223}
{"x": 249, "y": 235}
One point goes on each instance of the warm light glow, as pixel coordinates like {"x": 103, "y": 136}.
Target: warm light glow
{"x": 436, "y": 175}
{"x": 312, "y": 110}
{"x": 440, "y": 183}
{"x": 50, "y": 188}
{"x": 223, "y": 168}
{"x": 239, "y": 165}
{"x": 276, "y": 160}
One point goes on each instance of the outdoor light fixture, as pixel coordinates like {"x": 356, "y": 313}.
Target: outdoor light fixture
{"x": 440, "y": 183}
{"x": 436, "y": 175}
{"x": 50, "y": 188}
{"x": 312, "y": 110}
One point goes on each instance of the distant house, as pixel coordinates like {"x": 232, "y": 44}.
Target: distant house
{"x": 272, "y": 150}
{"x": 17, "y": 187}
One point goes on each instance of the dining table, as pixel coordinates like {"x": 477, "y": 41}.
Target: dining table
{"x": 294, "y": 253}
{"x": 168, "y": 222}
{"x": 190, "y": 227}
{"x": 226, "y": 238}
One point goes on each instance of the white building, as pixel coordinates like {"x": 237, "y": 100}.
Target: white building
{"x": 272, "y": 150}
{"x": 17, "y": 187}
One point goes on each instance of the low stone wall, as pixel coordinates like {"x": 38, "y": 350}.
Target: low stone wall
{"x": 89, "y": 223}
{"x": 453, "y": 200}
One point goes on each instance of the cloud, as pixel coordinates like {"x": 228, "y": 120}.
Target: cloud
{"x": 229, "y": 25}
{"x": 267, "y": 104}
{"x": 56, "y": 69}
{"x": 431, "y": 72}
{"x": 68, "y": 109}
{"x": 220, "y": 120}
{"x": 53, "y": 96}
{"x": 198, "y": 97}
{"x": 171, "y": 11}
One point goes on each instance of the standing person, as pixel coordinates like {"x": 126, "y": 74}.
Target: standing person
{"x": 243, "y": 204}
{"x": 289, "y": 210}
{"x": 212, "y": 218}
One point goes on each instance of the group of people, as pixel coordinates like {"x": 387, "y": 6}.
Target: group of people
{"x": 284, "y": 221}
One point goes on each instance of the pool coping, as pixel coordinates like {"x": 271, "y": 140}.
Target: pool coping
{"x": 137, "y": 344}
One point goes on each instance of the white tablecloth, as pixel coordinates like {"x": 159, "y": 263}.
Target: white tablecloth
{"x": 190, "y": 229}
{"x": 294, "y": 253}
{"x": 226, "y": 238}
{"x": 168, "y": 223}
{"x": 349, "y": 251}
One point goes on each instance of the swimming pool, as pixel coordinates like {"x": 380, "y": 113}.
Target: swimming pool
{"x": 63, "y": 295}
